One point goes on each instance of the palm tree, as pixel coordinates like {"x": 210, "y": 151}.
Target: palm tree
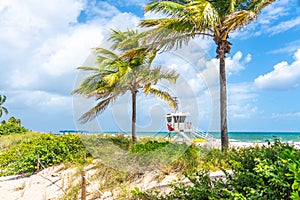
{"x": 127, "y": 69}
{"x": 186, "y": 19}
{"x": 18, "y": 122}
{"x": 2, "y": 108}
{"x": 12, "y": 120}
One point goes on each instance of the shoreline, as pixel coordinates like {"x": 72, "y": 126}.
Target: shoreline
{"x": 247, "y": 137}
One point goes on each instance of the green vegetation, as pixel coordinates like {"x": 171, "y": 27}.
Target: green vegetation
{"x": 268, "y": 172}
{"x": 271, "y": 172}
{"x": 9, "y": 129}
{"x": 49, "y": 149}
{"x": 148, "y": 146}
{"x": 215, "y": 19}
{"x": 7, "y": 141}
{"x": 128, "y": 70}
{"x": 12, "y": 126}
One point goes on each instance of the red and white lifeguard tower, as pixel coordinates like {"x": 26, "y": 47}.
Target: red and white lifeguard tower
{"x": 179, "y": 128}
{"x": 176, "y": 121}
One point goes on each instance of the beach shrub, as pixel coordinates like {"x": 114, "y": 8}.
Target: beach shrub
{"x": 213, "y": 159}
{"x": 122, "y": 142}
{"x": 94, "y": 142}
{"x": 49, "y": 149}
{"x": 149, "y": 146}
{"x": 9, "y": 128}
{"x": 270, "y": 172}
{"x": 200, "y": 186}
{"x": 166, "y": 155}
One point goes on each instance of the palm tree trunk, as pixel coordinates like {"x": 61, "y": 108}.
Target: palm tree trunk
{"x": 223, "y": 97}
{"x": 133, "y": 123}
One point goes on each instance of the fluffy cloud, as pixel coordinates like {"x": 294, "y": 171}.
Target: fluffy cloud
{"x": 41, "y": 46}
{"x": 284, "y": 76}
{"x": 286, "y": 115}
{"x": 234, "y": 65}
{"x": 284, "y": 26}
{"x": 241, "y": 101}
{"x": 290, "y": 47}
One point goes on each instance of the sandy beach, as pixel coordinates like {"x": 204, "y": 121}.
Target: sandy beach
{"x": 46, "y": 184}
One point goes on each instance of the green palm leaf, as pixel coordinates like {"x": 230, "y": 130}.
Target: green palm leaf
{"x": 2, "y": 108}
{"x": 165, "y": 96}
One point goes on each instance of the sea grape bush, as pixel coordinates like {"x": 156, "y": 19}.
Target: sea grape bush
{"x": 50, "y": 149}
{"x": 266, "y": 173}
{"x": 8, "y": 129}
{"x": 271, "y": 172}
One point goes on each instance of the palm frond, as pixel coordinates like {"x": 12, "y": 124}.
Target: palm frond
{"x": 166, "y": 39}
{"x": 134, "y": 53}
{"x": 232, "y": 6}
{"x": 239, "y": 19}
{"x": 111, "y": 79}
{"x": 202, "y": 13}
{"x": 99, "y": 108}
{"x": 165, "y": 96}
{"x": 87, "y": 68}
{"x": 126, "y": 40}
{"x": 200, "y": 18}
{"x": 5, "y": 110}
{"x": 2, "y": 99}
{"x": 169, "y": 75}
{"x": 168, "y": 8}
{"x": 105, "y": 54}
{"x": 257, "y": 5}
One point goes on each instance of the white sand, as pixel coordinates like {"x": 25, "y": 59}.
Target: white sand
{"x": 47, "y": 184}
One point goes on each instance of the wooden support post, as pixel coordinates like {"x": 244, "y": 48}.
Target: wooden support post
{"x": 38, "y": 162}
{"x": 83, "y": 185}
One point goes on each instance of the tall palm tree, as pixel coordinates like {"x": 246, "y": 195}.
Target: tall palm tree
{"x": 2, "y": 108}
{"x": 186, "y": 19}
{"x": 128, "y": 69}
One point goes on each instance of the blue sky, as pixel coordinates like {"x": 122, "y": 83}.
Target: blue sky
{"x": 42, "y": 43}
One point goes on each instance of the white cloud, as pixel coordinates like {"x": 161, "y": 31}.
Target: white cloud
{"x": 284, "y": 76}
{"x": 273, "y": 12}
{"x": 62, "y": 54}
{"x": 290, "y": 47}
{"x": 284, "y": 26}
{"x": 234, "y": 65}
{"x": 241, "y": 101}
{"x": 42, "y": 43}
{"x": 40, "y": 101}
{"x": 286, "y": 115}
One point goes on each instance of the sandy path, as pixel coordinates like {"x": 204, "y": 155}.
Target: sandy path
{"x": 47, "y": 184}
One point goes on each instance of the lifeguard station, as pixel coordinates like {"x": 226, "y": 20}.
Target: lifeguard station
{"x": 176, "y": 121}
{"x": 180, "y": 130}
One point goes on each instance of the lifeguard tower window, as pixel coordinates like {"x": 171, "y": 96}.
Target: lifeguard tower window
{"x": 175, "y": 119}
{"x": 169, "y": 119}
{"x": 182, "y": 119}
{"x": 179, "y": 119}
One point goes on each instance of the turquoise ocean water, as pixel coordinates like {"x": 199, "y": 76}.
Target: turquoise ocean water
{"x": 258, "y": 137}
